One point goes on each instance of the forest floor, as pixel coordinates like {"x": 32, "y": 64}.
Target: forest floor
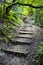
{"x": 22, "y": 54}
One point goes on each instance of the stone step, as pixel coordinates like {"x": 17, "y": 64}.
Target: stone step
{"x": 28, "y": 30}
{"x": 25, "y": 32}
{"x": 23, "y": 49}
{"x": 25, "y": 28}
{"x": 24, "y": 36}
{"x": 22, "y": 40}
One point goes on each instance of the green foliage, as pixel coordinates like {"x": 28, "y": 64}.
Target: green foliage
{"x": 40, "y": 53}
{"x": 37, "y": 13}
{"x": 8, "y": 24}
{"x": 1, "y": 10}
{"x": 15, "y": 15}
{"x": 41, "y": 18}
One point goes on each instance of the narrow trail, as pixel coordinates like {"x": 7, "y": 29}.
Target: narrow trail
{"x": 26, "y": 43}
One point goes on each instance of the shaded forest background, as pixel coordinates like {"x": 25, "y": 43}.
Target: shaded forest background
{"x": 12, "y": 13}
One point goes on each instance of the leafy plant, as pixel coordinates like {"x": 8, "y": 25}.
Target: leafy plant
{"x": 39, "y": 59}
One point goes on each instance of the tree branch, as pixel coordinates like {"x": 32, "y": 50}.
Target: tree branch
{"x": 10, "y": 6}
